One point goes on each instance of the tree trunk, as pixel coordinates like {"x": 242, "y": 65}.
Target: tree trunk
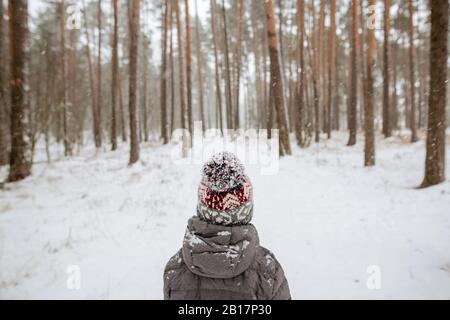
{"x": 258, "y": 82}
{"x": 188, "y": 67}
{"x": 122, "y": 111}
{"x": 276, "y": 79}
{"x": 369, "y": 142}
{"x": 216, "y": 65}
{"x": 49, "y": 92}
{"x": 164, "y": 124}
{"x": 321, "y": 65}
{"x": 435, "y": 151}
{"x": 99, "y": 71}
{"x": 331, "y": 66}
{"x": 386, "y": 87}
{"x": 362, "y": 62}
{"x": 77, "y": 119}
{"x": 394, "y": 100}
{"x": 114, "y": 73}
{"x": 199, "y": 68}
{"x": 20, "y": 157}
{"x": 3, "y": 105}
{"x": 267, "y": 101}
{"x": 412, "y": 82}
{"x": 281, "y": 23}
{"x": 181, "y": 67}
{"x": 237, "y": 62}
{"x": 63, "y": 103}
{"x": 145, "y": 66}
{"x": 172, "y": 77}
{"x": 336, "y": 98}
{"x": 353, "y": 78}
{"x": 300, "y": 101}
{"x": 134, "y": 43}
{"x": 228, "y": 100}
{"x": 314, "y": 58}
{"x": 95, "y": 120}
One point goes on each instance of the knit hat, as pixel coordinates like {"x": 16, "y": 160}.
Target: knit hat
{"x": 225, "y": 195}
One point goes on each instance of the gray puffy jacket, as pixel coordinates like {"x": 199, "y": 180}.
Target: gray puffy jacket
{"x": 223, "y": 263}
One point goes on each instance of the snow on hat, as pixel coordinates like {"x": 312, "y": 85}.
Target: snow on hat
{"x": 225, "y": 193}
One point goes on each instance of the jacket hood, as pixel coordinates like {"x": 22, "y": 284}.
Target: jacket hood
{"x": 217, "y": 251}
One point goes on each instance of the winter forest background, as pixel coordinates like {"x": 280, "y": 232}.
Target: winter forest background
{"x": 92, "y": 203}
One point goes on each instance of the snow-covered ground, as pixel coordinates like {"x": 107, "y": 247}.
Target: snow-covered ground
{"x": 328, "y": 220}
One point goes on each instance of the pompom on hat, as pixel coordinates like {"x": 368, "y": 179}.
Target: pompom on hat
{"x": 225, "y": 194}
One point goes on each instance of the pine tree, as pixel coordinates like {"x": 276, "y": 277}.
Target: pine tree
{"x": 99, "y": 73}
{"x": 369, "y": 142}
{"x": 216, "y": 66}
{"x": 386, "y": 114}
{"x": 353, "y": 78}
{"x": 63, "y": 100}
{"x": 164, "y": 124}
{"x": 276, "y": 80}
{"x": 95, "y": 117}
{"x": 412, "y": 80}
{"x": 133, "y": 15}
{"x": 188, "y": 68}
{"x": 331, "y": 67}
{"x": 199, "y": 52}
{"x": 20, "y": 157}
{"x": 3, "y": 103}
{"x": 435, "y": 151}
{"x": 300, "y": 101}
{"x": 181, "y": 66}
{"x": 114, "y": 76}
{"x": 228, "y": 99}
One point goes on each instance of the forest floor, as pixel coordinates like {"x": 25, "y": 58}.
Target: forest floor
{"x": 328, "y": 220}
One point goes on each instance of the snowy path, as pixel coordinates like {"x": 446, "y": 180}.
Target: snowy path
{"x": 324, "y": 216}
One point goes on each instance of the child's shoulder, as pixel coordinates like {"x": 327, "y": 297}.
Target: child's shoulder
{"x": 265, "y": 261}
{"x": 175, "y": 262}
{"x": 270, "y": 273}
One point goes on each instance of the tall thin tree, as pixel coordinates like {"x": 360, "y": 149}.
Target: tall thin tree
{"x": 188, "y": 67}
{"x": 228, "y": 97}
{"x": 276, "y": 79}
{"x": 164, "y": 124}
{"x": 331, "y": 67}
{"x": 237, "y": 56}
{"x": 99, "y": 70}
{"x": 181, "y": 66}
{"x": 172, "y": 74}
{"x": 299, "y": 123}
{"x": 63, "y": 100}
{"x": 77, "y": 120}
{"x": 256, "y": 52}
{"x": 386, "y": 114}
{"x": 199, "y": 52}
{"x": 353, "y": 77}
{"x": 20, "y": 156}
{"x": 369, "y": 141}
{"x": 3, "y": 104}
{"x": 412, "y": 81}
{"x": 95, "y": 118}
{"x": 133, "y": 16}
{"x": 114, "y": 76}
{"x": 435, "y": 150}
{"x": 216, "y": 65}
